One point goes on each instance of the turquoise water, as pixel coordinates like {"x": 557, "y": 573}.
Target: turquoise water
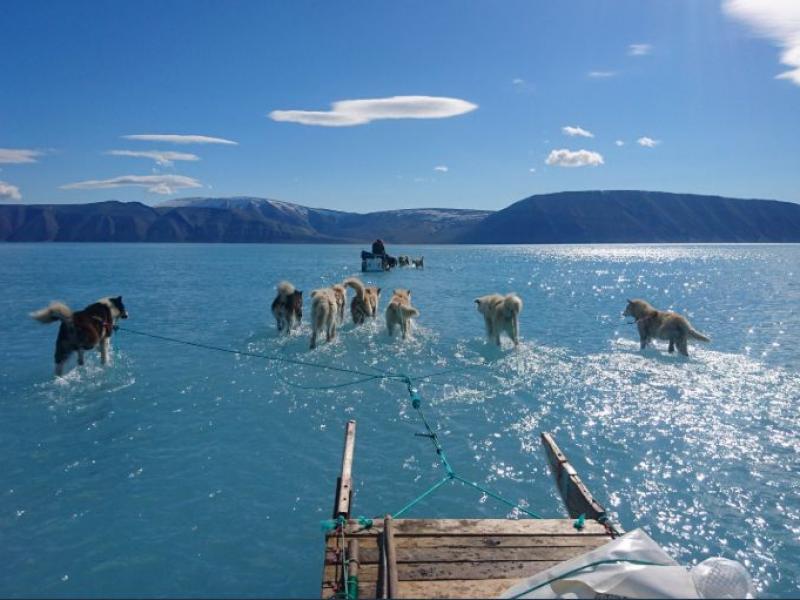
{"x": 184, "y": 472}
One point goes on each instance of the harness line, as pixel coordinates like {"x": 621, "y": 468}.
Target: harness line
{"x": 416, "y": 403}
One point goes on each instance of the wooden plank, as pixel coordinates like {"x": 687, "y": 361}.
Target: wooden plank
{"x": 508, "y": 541}
{"x": 576, "y": 496}
{"x": 449, "y": 571}
{"x": 494, "y": 527}
{"x": 471, "y": 588}
{"x": 464, "y": 554}
{"x": 391, "y": 556}
{"x": 344, "y": 485}
{"x": 495, "y": 541}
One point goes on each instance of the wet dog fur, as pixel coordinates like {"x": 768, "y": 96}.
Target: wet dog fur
{"x": 399, "y": 312}
{"x": 324, "y": 314}
{"x": 365, "y": 303}
{"x": 287, "y": 308}
{"x": 84, "y": 329}
{"x": 500, "y": 315}
{"x": 662, "y": 325}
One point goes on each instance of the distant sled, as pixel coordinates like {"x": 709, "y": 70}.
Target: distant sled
{"x": 371, "y": 263}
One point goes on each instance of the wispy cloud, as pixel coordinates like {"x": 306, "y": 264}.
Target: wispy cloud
{"x": 778, "y": 20}
{"x": 158, "y": 184}
{"x": 18, "y": 155}
{"x": 518, "y": 81}
{"x": 9, "y": 192}
{"x": 639, "y": 49}
{"x": 441, "y": 168}
{"x": 601, "y": 74}
{"x": 619, "y": 143}
{"x": 532, "y": 170}
{"x": 359, "y": 112}
{"x": 576, "y": 131}
{"x": 162, "y": 158}
{"x": 648, "y": 142}
{"x": 178, "y": 139}
{"x": 576, "y": 158}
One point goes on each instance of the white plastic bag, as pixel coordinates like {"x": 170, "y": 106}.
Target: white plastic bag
{"x": 614, "y": 573}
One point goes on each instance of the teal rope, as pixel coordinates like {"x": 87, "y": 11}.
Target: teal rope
{"x": 422, "y": 496}
{"x": 498, "y": 497}
{"x": 416, "y": 403}
{"x": 271, "y": 357}
{"x": 593, "y": 564}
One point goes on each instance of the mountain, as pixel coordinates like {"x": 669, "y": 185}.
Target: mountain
{"x": 241, "y": 219}
{"x": 633, "y": 216}
{"x": 566, "y": 217}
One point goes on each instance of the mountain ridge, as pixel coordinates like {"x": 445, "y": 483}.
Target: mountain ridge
{"x": 599, "y": 216}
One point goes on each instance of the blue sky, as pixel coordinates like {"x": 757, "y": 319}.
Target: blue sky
{"x": 692, "y": 88}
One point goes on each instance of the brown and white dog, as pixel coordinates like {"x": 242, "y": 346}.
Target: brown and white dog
{"x": 365, "y": 302}
{"x": 662, "y": 325}
{"x": 400, "y": 312}
{"x": 501, "y": 315}
{"x": 84, "y": 329}
{"x": 287, "y": 308}
{"x": 324, "y": 314}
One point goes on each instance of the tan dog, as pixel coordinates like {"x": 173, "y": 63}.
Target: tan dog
{"x": 400, "y": 312}
{"x": 501, "y": 315}
{"x": 662, "y": 325}
{"x": 287, "y": 308}
{"x": 341, "y": 299}
{"x": 365, "y": 302}
{"x": 324, "y": 314}
{"x": 84, "y": 329}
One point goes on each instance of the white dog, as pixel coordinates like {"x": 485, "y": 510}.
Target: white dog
{"x": 400, "y": 312}
{"x": 501, "y": 314}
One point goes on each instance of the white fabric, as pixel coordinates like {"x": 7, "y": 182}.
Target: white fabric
{"x": 616, "y": 579}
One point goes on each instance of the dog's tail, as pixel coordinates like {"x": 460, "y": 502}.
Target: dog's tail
{"x": 409, "y": 311}
{"x": 512, "y": 305}
{"x": 285, "y": 288}
{"x": 697, "y": 335}
{"x": 56, "y": 311}
{"x": 354, "y": 283}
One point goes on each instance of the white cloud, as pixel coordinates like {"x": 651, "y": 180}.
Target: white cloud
{"x": 9, "y": 192}
{"x": 778, "y": 20}
{"x": 639, "y": 49}
{"x": 162, "y": 158}
{"x": 441, "y": 168}
{"x": 532, "y": 170}
{"x": 577, "y": 158}
{"x": 601, "y": 74}
{"x": 573, "y": 131}
{"x": 648, "y": 142}
{"x": 518, "y": 81}
{"x": 179, "y": 139}
{"x": 358, "y": 112}
{"x": 18, "y": 156}
{"x": 158, "y": 184}
{"x": 619, "y": 143}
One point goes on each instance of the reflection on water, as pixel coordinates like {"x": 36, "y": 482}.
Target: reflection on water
{"x": 211, "y": 467}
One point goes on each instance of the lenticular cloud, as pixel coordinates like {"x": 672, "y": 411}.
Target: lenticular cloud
{"x": 359, "y": 112}
{"x": 778, "y": 20}
{"x": 158, "y": 184}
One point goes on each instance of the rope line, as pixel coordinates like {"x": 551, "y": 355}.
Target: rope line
{"x": 365, "y": 377}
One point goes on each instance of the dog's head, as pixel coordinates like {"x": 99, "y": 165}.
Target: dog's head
{"x": 296, "y": 303}
{"x": 636, "y": 309}
{"x": 118, "y": 310}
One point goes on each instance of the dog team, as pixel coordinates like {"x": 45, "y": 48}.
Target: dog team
{"x": 93, "y": 326}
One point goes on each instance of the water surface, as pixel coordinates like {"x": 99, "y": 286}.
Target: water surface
{"x": 185, "y": 472}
